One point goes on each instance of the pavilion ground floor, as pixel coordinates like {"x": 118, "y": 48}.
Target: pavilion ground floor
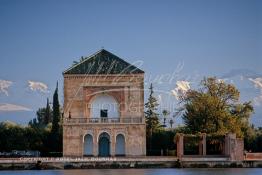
{"x": 104, "y": 140}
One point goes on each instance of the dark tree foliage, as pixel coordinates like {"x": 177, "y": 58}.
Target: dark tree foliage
{"x": 16, "y": 137}
{"x": 48, "y": 113}
{"x": 56, "y": 112}
{"x": 253, "y": 139}
{"x": 162, "y": 140}
{"x": 39, "y": 135}
{"x": 43, "y": 117}
{"x": 56, "y": 133}
{"x": 151, "y": 115}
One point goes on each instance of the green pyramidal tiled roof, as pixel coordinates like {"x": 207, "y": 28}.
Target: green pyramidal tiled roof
{"x": 103, "y": 62}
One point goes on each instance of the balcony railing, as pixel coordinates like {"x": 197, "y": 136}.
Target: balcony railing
{"x": 103, "y": 120}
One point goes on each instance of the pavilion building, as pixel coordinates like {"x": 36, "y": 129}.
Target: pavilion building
{"x": 104, "y": 108}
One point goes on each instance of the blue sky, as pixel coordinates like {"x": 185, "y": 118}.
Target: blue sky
{"x": 40, "y": 39}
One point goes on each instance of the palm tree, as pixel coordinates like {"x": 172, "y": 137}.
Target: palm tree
{"x": 171, "y": 122}
{"x": 165, "y": 114}
{"x": 80, "y": 60}
{"x": 75, "y": 62}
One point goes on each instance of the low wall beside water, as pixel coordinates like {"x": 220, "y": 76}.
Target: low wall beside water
{"x": 253, "y": 156}
{"x": 125, "y": 162}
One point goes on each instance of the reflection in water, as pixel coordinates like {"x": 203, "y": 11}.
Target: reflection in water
{"x": 106, "y": 172}
{"x": 218, "y": 171}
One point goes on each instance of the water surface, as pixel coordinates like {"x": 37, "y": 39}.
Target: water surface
{"x": 195, "y": 171}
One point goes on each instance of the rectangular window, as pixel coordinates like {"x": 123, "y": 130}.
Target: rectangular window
{"x": 103, "y": 113}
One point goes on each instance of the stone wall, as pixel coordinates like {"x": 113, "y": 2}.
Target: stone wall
{"x": 127, "y": 89}
{"x": 80, "y": 90}
{"x": 134, "y": 138}
{"x": 253, "y": 156}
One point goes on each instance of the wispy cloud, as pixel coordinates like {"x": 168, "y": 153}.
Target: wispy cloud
{"x": 257, "y": 82}
{"x": 38, "y": 86}
{"x": 160, "y": 98}
{"x": 242, "y": 73}
{"x": 181, "y": 88}
{"x": 6, "y": 107}
{"x": 4, "y": 85}
{"x": 258, "y": 100}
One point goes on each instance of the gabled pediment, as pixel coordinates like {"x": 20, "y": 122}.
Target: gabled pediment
{"x": 103, "y": 62}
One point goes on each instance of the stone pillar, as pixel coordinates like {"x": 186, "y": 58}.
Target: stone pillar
{"x": 200, "y": 146}
{"x": 112, "y": 144}
{"x": 230, "y": 144}
{"x": 234, "y": 147}
{"x": 226, "y": 145}
{"x": 180, "y": 145}
{"x": 81, "y": 145}
{"x": 204, "y": 143}
{"x": 95, "y": 143}
{"x": 239, "y": 153}
{"x": 126, "y": 97}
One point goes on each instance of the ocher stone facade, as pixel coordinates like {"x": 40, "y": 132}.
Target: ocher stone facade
{"x": 127, "y": 90}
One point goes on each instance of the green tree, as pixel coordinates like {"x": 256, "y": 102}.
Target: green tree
{"x": 43, "y": 117}
{"x": 48, "y": 113}
{"x": 215, "y": 108}
{"x": 151, "y": 115}
{"x": 17, "y": 137}
{"x": 56, "y": 133}
{"x": 56, "y": 112}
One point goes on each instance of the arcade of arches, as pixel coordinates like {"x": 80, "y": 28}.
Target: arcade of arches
{"x": 104, "y": 145}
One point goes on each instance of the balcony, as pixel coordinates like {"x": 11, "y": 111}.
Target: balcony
{"x": 106, "y": 120}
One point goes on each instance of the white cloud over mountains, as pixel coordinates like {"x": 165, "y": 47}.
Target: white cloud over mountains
{"x": 33, "y": 85}
{"x": 6, "y": 107}
{"x": 38, "y": 86}
{"x": 181, "y": 88}
{"x": 257, "y": 82}
{"x": 4, "y": 85}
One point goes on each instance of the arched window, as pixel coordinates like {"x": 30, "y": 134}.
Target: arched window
{"x": 120, "y": 145}
{"x": 104, "y": 106}
{"x": 88, "y": 145}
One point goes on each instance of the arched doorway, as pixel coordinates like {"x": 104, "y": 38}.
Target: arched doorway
{"x": 104, "y": 145}
{"x": 120, "y": 145}
{"x": 88, "y": 145}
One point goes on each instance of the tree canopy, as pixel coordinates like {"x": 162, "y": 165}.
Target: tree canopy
{"x": 43, "y": 117}
{"x": 215, "y": 108}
